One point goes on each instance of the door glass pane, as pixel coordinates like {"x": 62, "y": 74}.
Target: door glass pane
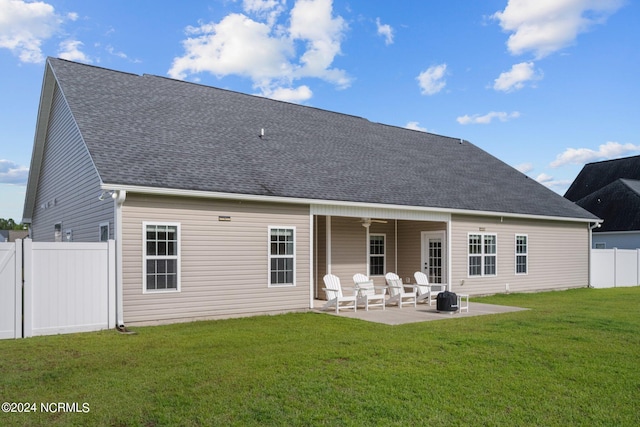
{"x": 435, "y": 260}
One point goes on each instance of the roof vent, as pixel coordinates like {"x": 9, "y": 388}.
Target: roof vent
{"x": 262, "y": 133}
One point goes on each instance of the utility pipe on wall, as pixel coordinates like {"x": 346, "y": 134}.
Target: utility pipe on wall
{"x": 119, "y": 198}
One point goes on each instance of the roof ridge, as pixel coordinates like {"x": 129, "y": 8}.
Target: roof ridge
{"x": 613, "y": 160}
{"x": 253, "y": 96}
{"x": 49, "y": 58}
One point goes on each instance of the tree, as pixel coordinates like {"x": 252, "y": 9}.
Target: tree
{"x": 10, "y": 224}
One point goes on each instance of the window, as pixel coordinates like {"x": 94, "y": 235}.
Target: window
{"x": 104, "y": 232}
{"x": 522, "y": 243}
{"x": 57, "y": 232}
{"x": 282, "y": 256}
{"x": 161, "y": 257}
{"x": 482, "y": 254}
{"x": 376, "y": 254}
{"x": 601, "y": 245}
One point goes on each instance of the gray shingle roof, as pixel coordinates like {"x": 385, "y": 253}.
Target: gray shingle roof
{"x": 158, "y": 132}
{"x": 597, "y": 175}
{"x": 618, "y": 203}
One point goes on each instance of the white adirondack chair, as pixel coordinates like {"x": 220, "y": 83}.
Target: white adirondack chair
{"x": 426, "y": 289}
{"x": 399, "y": 292}
{"x": 335, "y": 297}
{"x": 368, "y": 294}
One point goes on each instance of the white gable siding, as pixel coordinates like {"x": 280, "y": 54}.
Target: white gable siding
{"x": 69, "y": 186}
{"x": 224, "y": 264}
{"x": 557, "y": 252}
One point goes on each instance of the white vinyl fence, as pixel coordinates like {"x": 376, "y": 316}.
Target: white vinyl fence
{"x": 615, "y": 268}
{"x": 10, "y": 291}
{"x": 68, "y": 287}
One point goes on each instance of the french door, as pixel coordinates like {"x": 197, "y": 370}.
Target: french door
{"x": 434, "y": 256}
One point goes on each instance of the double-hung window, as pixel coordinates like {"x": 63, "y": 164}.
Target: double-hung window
{"x": 376, "y": 254}
{"x": 522, "y": 252}
{"x": 161, "y": 266}
{"x": 282, "y": 256}
{"x": 483, "y": 254}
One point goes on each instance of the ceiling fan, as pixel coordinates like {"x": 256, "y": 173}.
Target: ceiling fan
{"x": 366, "y": 222}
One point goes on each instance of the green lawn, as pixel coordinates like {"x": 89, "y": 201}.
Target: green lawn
{"x": 573, "y": 359}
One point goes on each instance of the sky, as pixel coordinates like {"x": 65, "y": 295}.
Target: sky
{"x": 545, "y": 86}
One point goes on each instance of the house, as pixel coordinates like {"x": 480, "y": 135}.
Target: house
{"x": 226, "y": 204}
{"x": 611, "y": 190}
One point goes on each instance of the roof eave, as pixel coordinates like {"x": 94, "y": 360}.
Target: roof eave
{"x": 42, "y": 123}
{"x": 309, "y": 201}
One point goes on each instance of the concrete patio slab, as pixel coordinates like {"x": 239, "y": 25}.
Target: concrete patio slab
{"x": 393, "y": 315}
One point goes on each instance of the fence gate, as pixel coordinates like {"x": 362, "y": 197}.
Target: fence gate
{"x": 56, "y": 288}
{"x": 11, "y": 290}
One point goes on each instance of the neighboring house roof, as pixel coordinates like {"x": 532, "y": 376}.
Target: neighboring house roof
{"x": 618, "y": 203}
{"x": 155, "y": 132}
{"x": 597, "y": 175}
{"x": 12, "y": 235}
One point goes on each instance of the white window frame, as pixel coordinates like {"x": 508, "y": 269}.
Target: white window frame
{"x": 271, "y": 256}
{"x": 524, "y": 254}
{"x": 100, "y": 226}
{"x": 483, "y": 255}
{"x": 146, "y": 257}
{"x": 384, "y": 254}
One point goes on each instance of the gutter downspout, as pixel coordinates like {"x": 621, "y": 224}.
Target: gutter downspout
{"x": 119, "y": 197}
{"x": 591, "y": 227}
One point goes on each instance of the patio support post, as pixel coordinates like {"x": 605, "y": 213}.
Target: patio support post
{"x": 312, "y": 240}
{"x": 396, "y": 245}
{"x": 449, "y": 256}
{"x": 328, "y": 225}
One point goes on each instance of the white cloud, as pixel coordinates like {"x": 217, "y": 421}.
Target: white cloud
{"x": 610, "y": 150}
{"x": 12, "y": 173}
{"x": 415, "y": 126}
{"x": 432, "y": 79}
{"x": 299, "y": 94}
{"x": 266, "y": 9}
{"x": 515, "y": 78}
{"x": 235, "y": 45}
{"x": 525, "y": 167}
{"x": 312, "y": 20}
{"x": 546, "y": 26}
{"x": 386, "y": 31}
{"x": 264, "y": 51}
{"x": 487, "y": 118}
{"x": 549, "y": 182}
{"x": 70, "y": 49}
{"x": 544, "y": 178}
{"x": 25, "y": 26}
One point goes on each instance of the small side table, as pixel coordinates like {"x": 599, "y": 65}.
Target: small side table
{"x": 463, "y": 298}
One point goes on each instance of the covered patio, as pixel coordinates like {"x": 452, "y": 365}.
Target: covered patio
{"x": 375, "y": 242}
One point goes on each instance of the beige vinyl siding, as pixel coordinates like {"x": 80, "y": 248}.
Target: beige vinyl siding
{"x": 348, "y": 249}
{"x": 410, "y": 246}
{"x": 558, "y": 254}
{"x": 69, "y": 186}
{"x": 224, "y": 264}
